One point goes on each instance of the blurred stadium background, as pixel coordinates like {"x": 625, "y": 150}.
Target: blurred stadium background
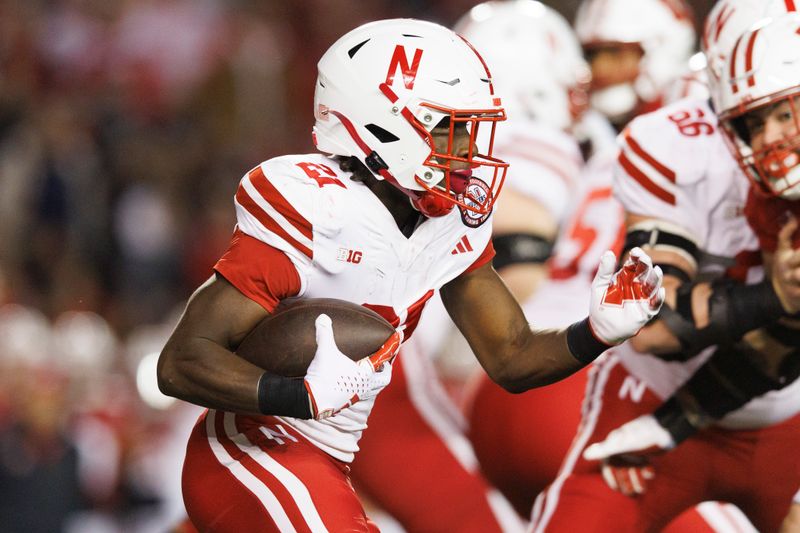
{"x": 124, "y": 129}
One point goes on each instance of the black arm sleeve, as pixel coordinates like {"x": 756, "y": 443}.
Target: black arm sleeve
{"x": 727, "y": 381}
{"x": 733, "y": 308}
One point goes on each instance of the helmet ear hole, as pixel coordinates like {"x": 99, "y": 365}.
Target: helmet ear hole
{"x": 381, "y": 134}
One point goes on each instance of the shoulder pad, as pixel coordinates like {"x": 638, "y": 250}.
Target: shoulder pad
{"x": 277, "y": 201}
{"x": 671, "y": 146}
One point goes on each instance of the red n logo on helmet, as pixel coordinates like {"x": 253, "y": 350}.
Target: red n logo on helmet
{"x": 399, "y": 59}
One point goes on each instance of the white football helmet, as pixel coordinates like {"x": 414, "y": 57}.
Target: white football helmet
{"x": 382, "y": 88}
{"x": 521, "y": 40}
{"x": 693, "y": 83}
{"x": 663, "y": 29}
{"x": 763, "y": 70}
{"x": 725, "y": 23}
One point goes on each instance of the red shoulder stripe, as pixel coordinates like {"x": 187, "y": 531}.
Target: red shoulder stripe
{"x": 644, "y": 181}
{"x": 271, "y": 194}
{"x": 268, "y": 222}
{"x": 652, "y": 161}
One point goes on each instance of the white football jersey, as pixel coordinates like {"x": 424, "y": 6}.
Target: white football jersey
{"x": 595, "y": 223}
{"x": 674, "y": 166}
{"x": 345, "y": 244}
{"x": 544, "y": 162}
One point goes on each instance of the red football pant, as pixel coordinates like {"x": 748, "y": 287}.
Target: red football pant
{"x": 520, "y": 439}
{"x": 415, "y": 462}
{"x": 256, "y": 474}
{"x": 757, "y": 470}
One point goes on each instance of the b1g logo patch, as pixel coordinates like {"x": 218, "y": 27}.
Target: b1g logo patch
{"x": 476, "y": 194}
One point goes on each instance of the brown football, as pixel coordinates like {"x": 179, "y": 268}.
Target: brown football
{"x": 284, "y": 343}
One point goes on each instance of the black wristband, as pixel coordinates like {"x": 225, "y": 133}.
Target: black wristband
{"x": 582, "y": 343}
{"x": 282, "y": 396}
{"x": 671, "y": 416}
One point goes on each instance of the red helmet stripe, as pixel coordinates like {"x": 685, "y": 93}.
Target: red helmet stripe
{"x": 485, "y": 66}
{"x": 385, "y": 174}
{"x": 732, "y": 73}
{"x": 723, "y": 19}
{"x": 352, "y": 131}
{"x": 748, "y": 65}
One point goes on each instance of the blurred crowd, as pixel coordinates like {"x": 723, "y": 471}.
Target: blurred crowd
{"x": 125, "y": 127}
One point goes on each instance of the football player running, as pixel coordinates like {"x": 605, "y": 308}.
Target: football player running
{"x": 398, "y": 104}
{"x": 752, "y": 447}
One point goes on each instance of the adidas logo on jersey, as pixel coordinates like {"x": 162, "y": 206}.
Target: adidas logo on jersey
{"x": 463, "y": 246}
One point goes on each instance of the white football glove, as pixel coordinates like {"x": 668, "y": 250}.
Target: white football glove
{"x": 623, "y": 302}
{"x": 335, "y": 382}
{"x": 625, "y": 454}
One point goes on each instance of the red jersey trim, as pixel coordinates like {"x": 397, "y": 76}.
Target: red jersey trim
{"x": 486, "y": 255}
{"x": 262, "y": 273}
{"x": 644, "y": 181}
{"x": 270, "y": 223}
{"x": 271, "y": 194}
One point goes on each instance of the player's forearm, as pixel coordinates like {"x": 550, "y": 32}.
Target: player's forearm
{"x": 202, "y": 372}
{"x": 542, "y": 358}
{"x": 513, "y": 356}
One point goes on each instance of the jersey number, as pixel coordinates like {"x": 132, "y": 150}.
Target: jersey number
{"x": 692, "y": 123}
{"x": 583, "y": 235}
{"x": 322, "y": 174}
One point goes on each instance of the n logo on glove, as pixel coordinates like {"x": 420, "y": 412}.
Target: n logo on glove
{"x": 636, "y": 281}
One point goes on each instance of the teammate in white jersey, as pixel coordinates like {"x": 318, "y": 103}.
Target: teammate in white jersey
{"x": 747, "y": 459}
{"x": 383, "y": 224}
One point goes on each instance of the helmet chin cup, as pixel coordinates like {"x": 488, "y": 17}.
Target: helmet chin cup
{"x": 779, "y": 168}
{"x": 432, "y": 205}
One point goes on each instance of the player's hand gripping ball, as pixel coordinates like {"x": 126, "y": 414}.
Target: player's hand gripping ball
{"x": 342, "y": 350}
{"x": 285, "y": 342}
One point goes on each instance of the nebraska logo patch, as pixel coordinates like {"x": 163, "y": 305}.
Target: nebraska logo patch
{"x": 477, "y": 193}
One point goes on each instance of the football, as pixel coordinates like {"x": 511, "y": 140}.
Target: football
{"x": 284, "y": 343}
